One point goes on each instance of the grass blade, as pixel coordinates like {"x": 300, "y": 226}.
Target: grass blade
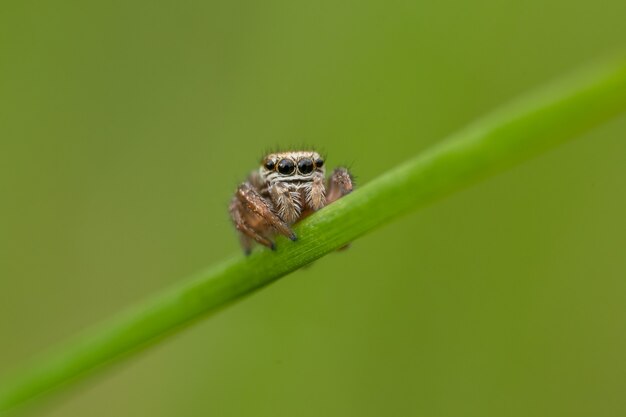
{"x": 514, "y": 133}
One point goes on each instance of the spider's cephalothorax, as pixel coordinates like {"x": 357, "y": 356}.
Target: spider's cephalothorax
{"x": 285, "y": 189}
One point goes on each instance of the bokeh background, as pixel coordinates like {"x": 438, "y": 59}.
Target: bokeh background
{"x": 126, "y": 125}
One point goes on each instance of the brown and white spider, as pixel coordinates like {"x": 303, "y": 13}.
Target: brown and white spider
{"x": 288, "y": 187}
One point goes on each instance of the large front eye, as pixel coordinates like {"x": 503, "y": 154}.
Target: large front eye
{"x": 286, "y": 166}
{"x": 305, "y": 166}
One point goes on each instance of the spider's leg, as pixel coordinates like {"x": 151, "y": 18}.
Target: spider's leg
{"x": 287, "y": 202}
{"x": 256, "y": 204}
{"x": 339, "y": 184}
{"x": 246, "y": 243}
{"x": 246, "y": 232}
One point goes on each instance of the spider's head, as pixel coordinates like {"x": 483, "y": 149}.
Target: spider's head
{"x": 298, "y": 166}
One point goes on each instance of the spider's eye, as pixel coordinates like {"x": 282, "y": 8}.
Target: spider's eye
{"x": 305, "y": 166}
{"x": 269, "y": 165}
{"x": 319, "y": 162}
{"x": 286, "y": 166}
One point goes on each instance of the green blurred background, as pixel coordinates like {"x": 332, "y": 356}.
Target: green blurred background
{"x": 125, "y": 127}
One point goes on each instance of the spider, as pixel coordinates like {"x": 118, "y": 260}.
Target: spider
{"x": 287, "y": 187}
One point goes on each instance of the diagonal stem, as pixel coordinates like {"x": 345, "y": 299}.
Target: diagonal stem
{"x": 525, "y": 128}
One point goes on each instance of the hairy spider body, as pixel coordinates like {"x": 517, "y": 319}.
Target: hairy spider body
{"x": 287, "y": 187}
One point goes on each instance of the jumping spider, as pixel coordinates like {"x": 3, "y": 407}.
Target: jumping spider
{"x": 288, "y": 187}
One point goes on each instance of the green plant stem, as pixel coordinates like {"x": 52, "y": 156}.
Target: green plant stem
{"x": 521, "y": 130}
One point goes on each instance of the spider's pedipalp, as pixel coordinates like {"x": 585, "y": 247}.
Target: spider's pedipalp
{"x": 286, "y": 201}
{"x": 316, "y": 193}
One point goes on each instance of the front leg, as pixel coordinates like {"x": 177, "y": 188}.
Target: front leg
{"x": 252, "y": 201}
{"x": 339, "y": 184}
{"x": 249, "y": 229}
